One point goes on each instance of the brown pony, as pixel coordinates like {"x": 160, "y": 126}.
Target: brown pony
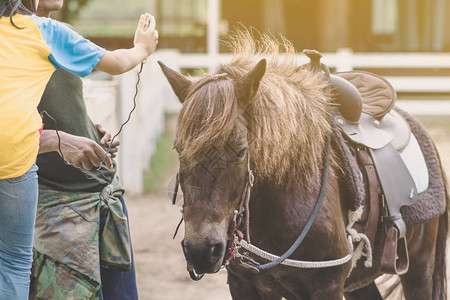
{"x": 270, "y": 118}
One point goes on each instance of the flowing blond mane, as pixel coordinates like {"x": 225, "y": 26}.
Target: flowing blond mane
{"x": 287, "y": 121}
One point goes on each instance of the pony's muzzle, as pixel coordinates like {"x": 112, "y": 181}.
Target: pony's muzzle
{"x": 206, "y": 257}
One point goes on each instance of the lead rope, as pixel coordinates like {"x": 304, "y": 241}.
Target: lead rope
{"x": 112, "y": 140}
{"x": 244, "y": 206}
{"x": 276, "y": 260}
{"x": 295, "y": 263}
{"x": 129, "y": 114}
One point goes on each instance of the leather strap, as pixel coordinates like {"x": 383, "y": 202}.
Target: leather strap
{"x": 372, "y": 210}
{"x": 399, "y": 189}
{"x": 396, "y": 182}
{"x": 395, "y": 258}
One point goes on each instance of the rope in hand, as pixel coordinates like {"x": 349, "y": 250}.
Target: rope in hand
{"x": 149, "y": 25}
{"x": 129, "y": 114}
{"x": 108, "y": 151}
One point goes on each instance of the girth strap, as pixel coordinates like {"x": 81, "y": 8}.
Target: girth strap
{"x": 371, "y": 210}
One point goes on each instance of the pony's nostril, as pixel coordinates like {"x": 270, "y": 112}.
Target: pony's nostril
{"x": 216, "y": 252}
{"x": 204, "y": 258}
{"x": 185, "y": 250}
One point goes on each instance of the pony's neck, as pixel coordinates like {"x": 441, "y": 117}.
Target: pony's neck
{"x": 278, "y": 214}
{"x": 275, "y": 210}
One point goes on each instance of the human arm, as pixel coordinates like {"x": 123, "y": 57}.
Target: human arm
{"x": 123, "y": 60}
{"x": 78, "y": 151}
{"x": 72, "y": 52}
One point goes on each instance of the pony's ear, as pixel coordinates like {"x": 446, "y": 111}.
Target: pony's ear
{"x": 247, "y": 86}
{"x": 178, "y": 82}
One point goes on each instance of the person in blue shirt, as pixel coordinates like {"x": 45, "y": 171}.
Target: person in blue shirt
{"x": 32, "y": 49}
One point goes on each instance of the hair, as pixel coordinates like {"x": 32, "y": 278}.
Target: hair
{"x": 8, "y": 8}
{"x": 287, "y": 121}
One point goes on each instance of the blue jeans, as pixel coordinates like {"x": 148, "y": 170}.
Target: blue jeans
{"x": 18, "y": 203}
{"x": 117, "y": 284}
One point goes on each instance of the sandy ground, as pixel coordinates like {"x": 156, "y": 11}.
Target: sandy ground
{"x": 160, "y": 265}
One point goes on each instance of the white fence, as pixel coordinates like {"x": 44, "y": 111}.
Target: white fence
{"x": 109, "y": 102}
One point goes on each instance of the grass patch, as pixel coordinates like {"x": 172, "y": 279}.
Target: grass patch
{"x": 162, "y": 164}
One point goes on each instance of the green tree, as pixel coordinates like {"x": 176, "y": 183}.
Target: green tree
{"x": 70, "y": 10}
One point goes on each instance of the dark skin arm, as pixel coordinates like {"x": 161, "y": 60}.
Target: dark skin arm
{"x": 79, "y": 151}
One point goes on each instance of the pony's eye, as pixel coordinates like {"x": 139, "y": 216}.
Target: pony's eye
{"x": 241, "y": 153}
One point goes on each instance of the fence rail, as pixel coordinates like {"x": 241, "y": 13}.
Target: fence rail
{"x": 346, "y": 60}
{"x": 110, "y": 102}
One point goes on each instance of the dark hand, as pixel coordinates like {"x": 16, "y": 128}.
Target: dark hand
{"x": 106, "y": 140}
{"x": 83, "y": 152}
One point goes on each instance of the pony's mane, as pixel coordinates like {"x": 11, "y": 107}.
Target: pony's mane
{"x": 287, "y": 121}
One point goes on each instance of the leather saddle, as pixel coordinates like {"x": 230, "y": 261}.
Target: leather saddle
{"x": 365, "y": 103}
{"x": 364, "y": 113}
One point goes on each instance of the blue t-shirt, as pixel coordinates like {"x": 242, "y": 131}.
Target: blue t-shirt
{"x": 68, "y": 49}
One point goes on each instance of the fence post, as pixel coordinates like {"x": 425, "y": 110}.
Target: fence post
{"x": 154, "y": 98}
{"x": 344, "y": 60}
{"x": 162, "y": 89}
{"x": 213, "y": 32}
{"x": 130, "y": 160}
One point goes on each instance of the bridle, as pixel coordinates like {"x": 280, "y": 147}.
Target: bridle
{"x": 233, "y": 231}
{"x": 237, "y": 240}
{"x": 242, "y": 210}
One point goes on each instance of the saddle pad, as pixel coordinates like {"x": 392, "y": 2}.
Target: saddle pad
{"x": 431, "y": 203}
{"x": 377, "y": 94}
{"x": 415, "y": 163}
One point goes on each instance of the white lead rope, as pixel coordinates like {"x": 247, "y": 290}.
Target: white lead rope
{"x": 298, "y": 263}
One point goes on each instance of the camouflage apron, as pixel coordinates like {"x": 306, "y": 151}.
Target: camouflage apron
{"x": 69, "y": 246}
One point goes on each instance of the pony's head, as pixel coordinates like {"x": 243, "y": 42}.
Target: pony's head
{"x": 258, "y": 113}
{"x": 212, "y": 142}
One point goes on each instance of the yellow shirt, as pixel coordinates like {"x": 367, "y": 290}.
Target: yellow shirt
{"x": 28, "y": 58}
{"x": 24, "y": 72}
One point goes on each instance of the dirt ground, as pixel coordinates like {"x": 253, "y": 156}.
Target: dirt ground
{"x": 160, "y": 265}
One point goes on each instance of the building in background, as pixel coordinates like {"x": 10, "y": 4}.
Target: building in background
{"x": 363, "y": 25}
{"x": 325, "y": 25}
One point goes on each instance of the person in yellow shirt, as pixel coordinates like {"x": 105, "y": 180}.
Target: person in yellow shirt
{"x": 31, "y": 49}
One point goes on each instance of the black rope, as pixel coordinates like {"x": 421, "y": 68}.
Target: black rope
{"x": 311, "y": 219}
{"x": 128, "y": 118}
{"x": 57, "y": 133}
{"x": 62, "y": 155}
{"x": 112, "y": 140}
{"x": 131, "y": 111}
{"x": 178, "y": 227}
